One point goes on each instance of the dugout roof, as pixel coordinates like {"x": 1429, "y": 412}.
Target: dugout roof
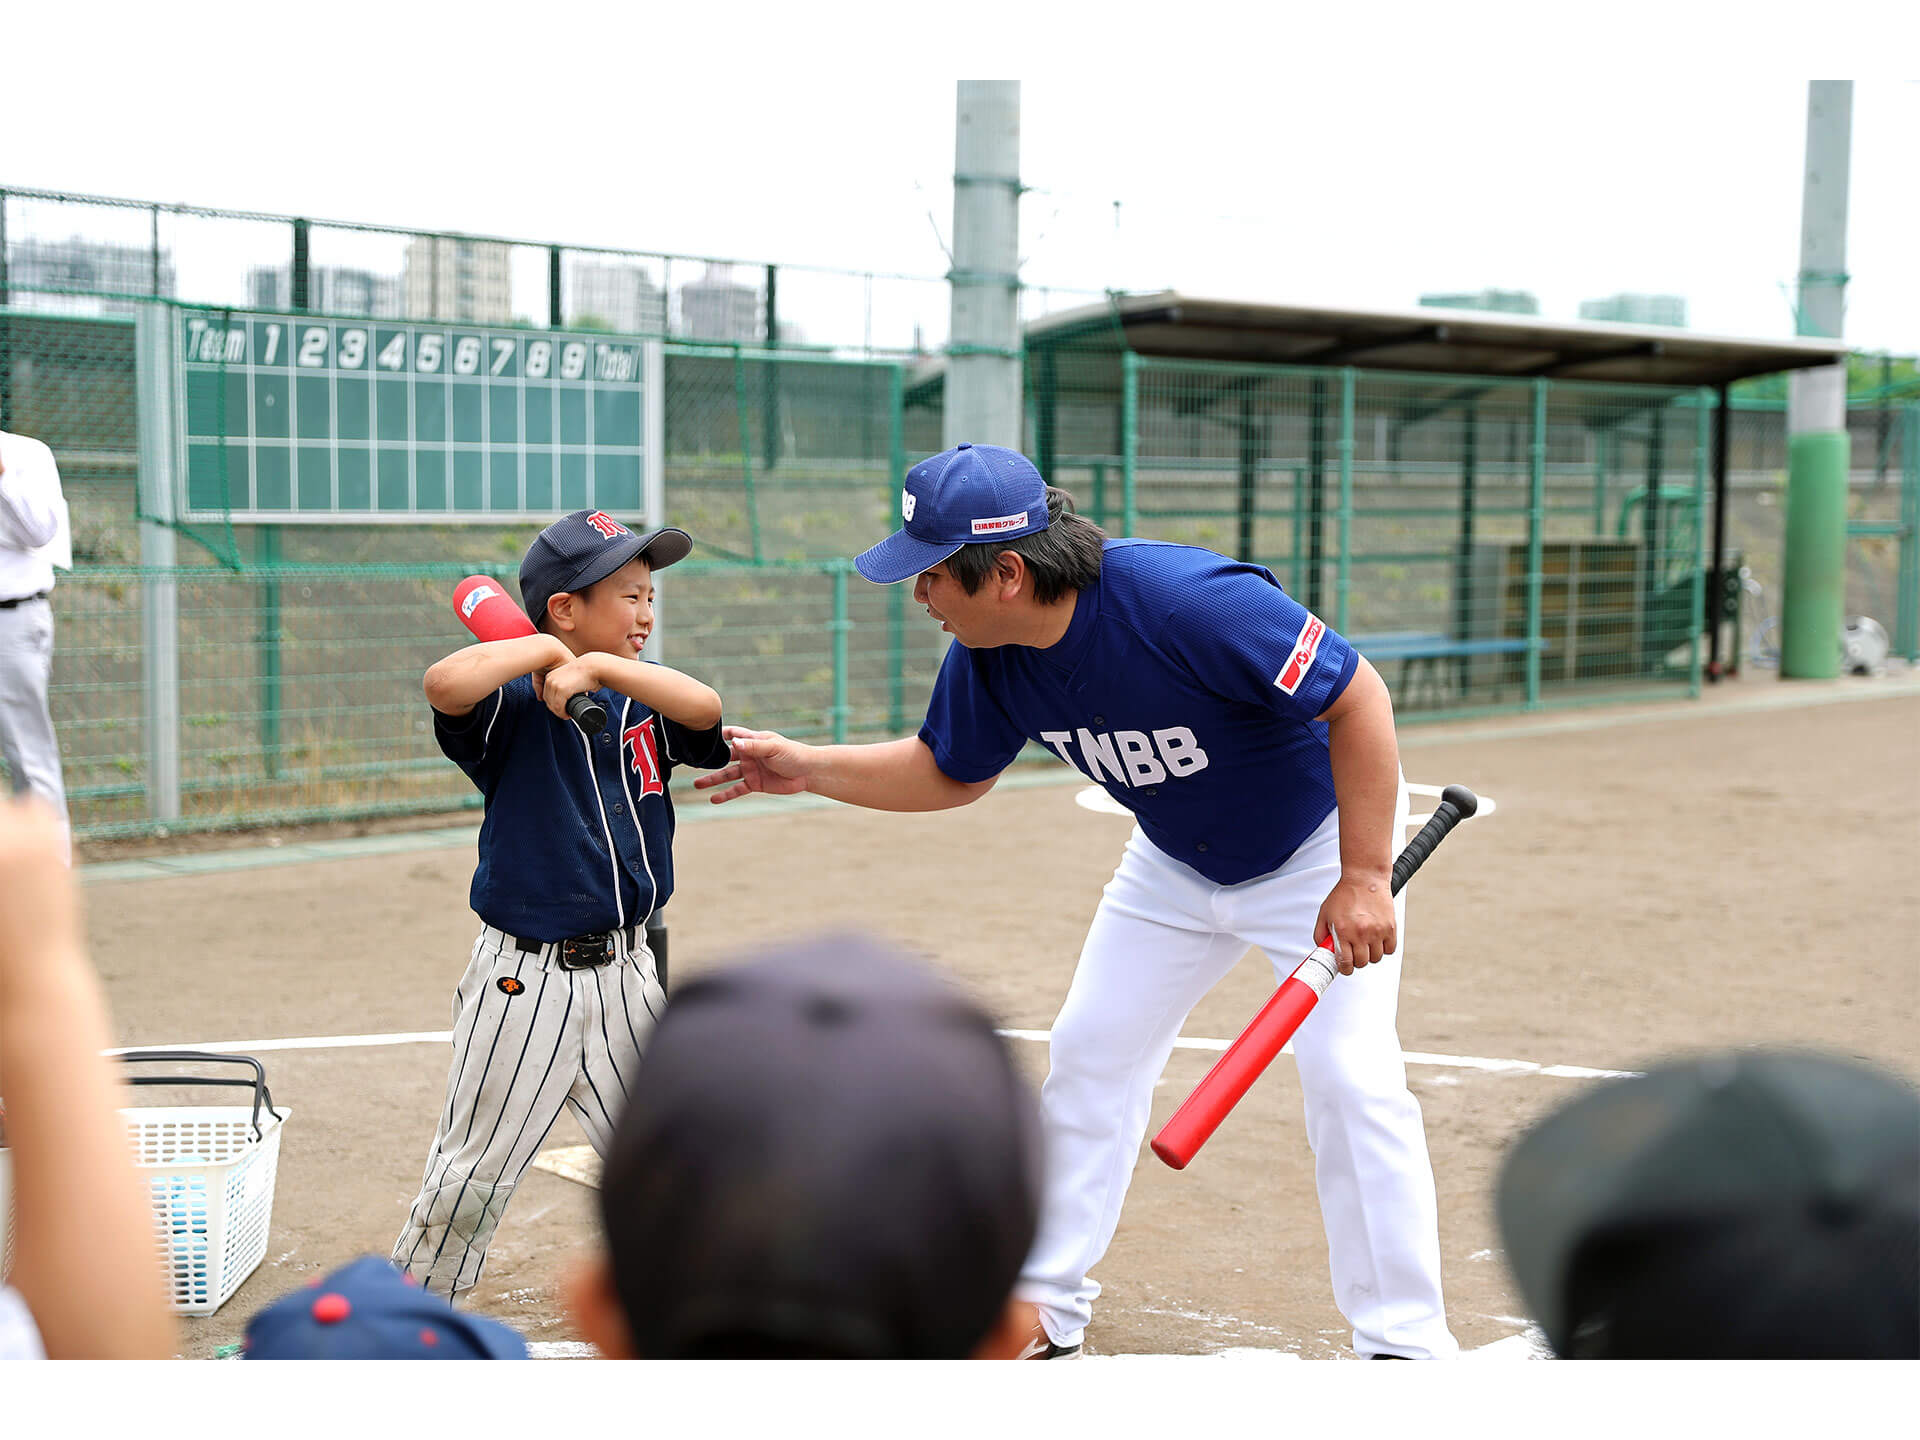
{"x": 1456, "y": 342}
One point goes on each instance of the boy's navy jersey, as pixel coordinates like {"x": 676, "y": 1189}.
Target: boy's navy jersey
{"x": 578, "y": 834}
{"x": 1186, "y": 686}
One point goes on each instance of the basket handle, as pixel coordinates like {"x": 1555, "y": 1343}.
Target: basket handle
{"x": 258, "y": 1084}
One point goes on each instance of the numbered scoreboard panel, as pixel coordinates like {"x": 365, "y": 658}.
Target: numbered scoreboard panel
{"x": 293, "y": 418}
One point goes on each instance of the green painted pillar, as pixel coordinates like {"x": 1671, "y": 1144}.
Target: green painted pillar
{"x": 1814, "y": 580}
{"x": 1536, "y": 537}
{"x": 896, "y": 594}
{"x": 1344, "y": 574}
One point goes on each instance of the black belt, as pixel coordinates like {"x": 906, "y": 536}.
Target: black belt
{"x": 24, "y": 600}
{"x": 581, "y": 952}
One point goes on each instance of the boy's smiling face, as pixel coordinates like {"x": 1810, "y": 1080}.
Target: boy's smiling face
{"x": 614, "y": 615}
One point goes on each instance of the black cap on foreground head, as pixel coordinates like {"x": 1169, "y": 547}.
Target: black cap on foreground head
{"x": 828, "y": 1153}
{"x": 1743, "y": 1206}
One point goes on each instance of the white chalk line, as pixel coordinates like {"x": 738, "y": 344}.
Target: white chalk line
{"x": 442, "y": 1037}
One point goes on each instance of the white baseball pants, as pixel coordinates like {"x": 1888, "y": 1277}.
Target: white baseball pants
{"x": 1163, "y": 937}
{"x": 550, "y": 1039}
{"x": 27, "y": 741}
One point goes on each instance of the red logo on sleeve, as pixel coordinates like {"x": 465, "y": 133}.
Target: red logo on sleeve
{"x": 641, "y": 754}
{"x": 1301, "y": 660}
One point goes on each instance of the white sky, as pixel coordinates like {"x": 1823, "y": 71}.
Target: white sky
{"x": 1265, "y": 152}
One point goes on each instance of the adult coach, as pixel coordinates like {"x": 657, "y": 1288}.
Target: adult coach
{"x": 1257, "y": 752}
{"x": 33, "y": 539}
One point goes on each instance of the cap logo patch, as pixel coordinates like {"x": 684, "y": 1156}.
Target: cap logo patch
{"x": 607, "y": 525}
{"x": 907, "y": 502}
{"x": 1301, "y": 660}
{"x": 1000, "y": 524}
{"x": 474, "y": 597}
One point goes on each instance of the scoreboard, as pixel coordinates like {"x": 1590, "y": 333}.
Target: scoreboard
{"x": 294, "y": 418}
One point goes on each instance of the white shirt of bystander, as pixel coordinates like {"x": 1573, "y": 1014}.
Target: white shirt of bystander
{"x": 19, "y": 1336}
{"x": 35, "y": 533}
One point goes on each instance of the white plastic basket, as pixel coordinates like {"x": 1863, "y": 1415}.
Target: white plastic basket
{"x": 210, "y": 1171}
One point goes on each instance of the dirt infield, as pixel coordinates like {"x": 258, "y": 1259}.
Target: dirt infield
{"x": 1713, "y": 875}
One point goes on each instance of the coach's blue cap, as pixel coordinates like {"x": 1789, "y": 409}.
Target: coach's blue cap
{"x": 969, "y": 495}
{"x": 586, "y": 546}
{"x": 368, "y": 1310}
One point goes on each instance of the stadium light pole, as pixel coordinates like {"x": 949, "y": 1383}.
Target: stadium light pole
{"x": 983, "y": 350}
{"x": 1813, "y": 582}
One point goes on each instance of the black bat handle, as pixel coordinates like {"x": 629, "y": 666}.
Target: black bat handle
{"x": 590, "y": 715}
{"x": 1456, "y": 804}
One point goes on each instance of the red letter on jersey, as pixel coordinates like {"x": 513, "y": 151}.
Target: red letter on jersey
{"x": 646, "y": 762}
{"x": 1301, "y": 660}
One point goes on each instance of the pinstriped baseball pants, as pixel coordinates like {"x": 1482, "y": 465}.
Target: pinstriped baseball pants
{"x": 529, "y": 1040}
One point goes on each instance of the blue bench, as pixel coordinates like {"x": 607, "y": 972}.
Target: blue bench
{"x": 1421, "y": 651}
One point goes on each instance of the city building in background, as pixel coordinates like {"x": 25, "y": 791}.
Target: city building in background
{"x": 449, "y": 278}
{"x": 1513, "y": 302}
{"x": 1632, "y": 309}
{"x": 331, "y": 290}
{"x": 715, "y": 307}
{"x": 615, "y": 297}
{"x": 89, "y": 269}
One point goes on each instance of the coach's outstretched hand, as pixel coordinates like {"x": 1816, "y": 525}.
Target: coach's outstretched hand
{"x": 764, "y": 763}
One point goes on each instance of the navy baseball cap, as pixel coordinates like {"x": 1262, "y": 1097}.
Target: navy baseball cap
{"x": 586, "y": 546}
{"x": 1748, "y": 1205}
{"x": 969, "y": 495}
{"x": 368, "y": 1310}
{"x": 829, "y": 1153}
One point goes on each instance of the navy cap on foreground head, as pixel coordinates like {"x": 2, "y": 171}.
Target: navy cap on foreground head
{"x": 828, "y": 1153}
{"x": 367, "y": 1310}
{"x": 969, "y": 495}
{"x": 1743, "y": 1206}
{"x": 586, "y": 546}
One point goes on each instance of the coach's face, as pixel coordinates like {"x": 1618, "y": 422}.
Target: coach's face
{"x": 973, "y": 620}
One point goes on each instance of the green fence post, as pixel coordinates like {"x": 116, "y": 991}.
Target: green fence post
{"x": 1600, "y": 482}
{"x": 1299, "y": 531}
{"x": 1906, "y": 629}
{"x": 1536, "y": 525}
{"x": 1100, "y": 493}
{"x": 746, "y": 449}
{"x": 1702, "y": 444}
{"x": 841, "y": 624}
{"x": 1129, "y": 439}
{"x": 896, "y": 594}
{"x": 267, "y": 556}
{"x": 1346, "y": 498}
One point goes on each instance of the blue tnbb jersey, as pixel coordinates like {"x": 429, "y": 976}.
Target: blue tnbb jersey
{"x": 578, "y": 834}
{"x": 1186, "y": 686}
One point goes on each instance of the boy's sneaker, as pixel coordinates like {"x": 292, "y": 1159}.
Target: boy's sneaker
{"x": 1040, "y": 1347}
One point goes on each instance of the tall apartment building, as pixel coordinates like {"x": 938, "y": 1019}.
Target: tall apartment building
{"x": 88, "y": 268}
{"x": 331, "y": 290}
{"x": 714, "y": 307}
{"x": 618, "y": 297}
{"x": 448, "y": 278}
{"x": 1632, "y": 309}
{"x": 1513, "y": 302}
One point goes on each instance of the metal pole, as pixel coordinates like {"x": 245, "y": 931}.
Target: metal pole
{"x": 1463, "y": 588}
{"x": 160, "y": 607}
{"x": 6, "y": 326}
{"x": 1249, "y": 479}
{"x": 1813, "y": 579}
{"x": 746, "y": 449}
{"x": 153, "y": 252}
{"x": 1346, "y": 500}
{"x": 1536, "y": 538}
{"x": 556, "y": 307}
{"x": 983, "y": 366}
{"x": 1717, "y": 596}
{"x": 1906, "y": 629}
{"x": 841, "y": 624}
{"x": 1698, "y": 601}
{"x": 1046, "y": 440}
{"x": 301, "y": 268}
{"x": 896, "y": 594}
{"x": 1129, "y": 439}
{"x": 770, "y": 378}
{"x": 1600, "y": 439}
{"x": 1653, "y": 644}
{"x": 1317, "y": 495}
{"x": 267, "y": 554}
